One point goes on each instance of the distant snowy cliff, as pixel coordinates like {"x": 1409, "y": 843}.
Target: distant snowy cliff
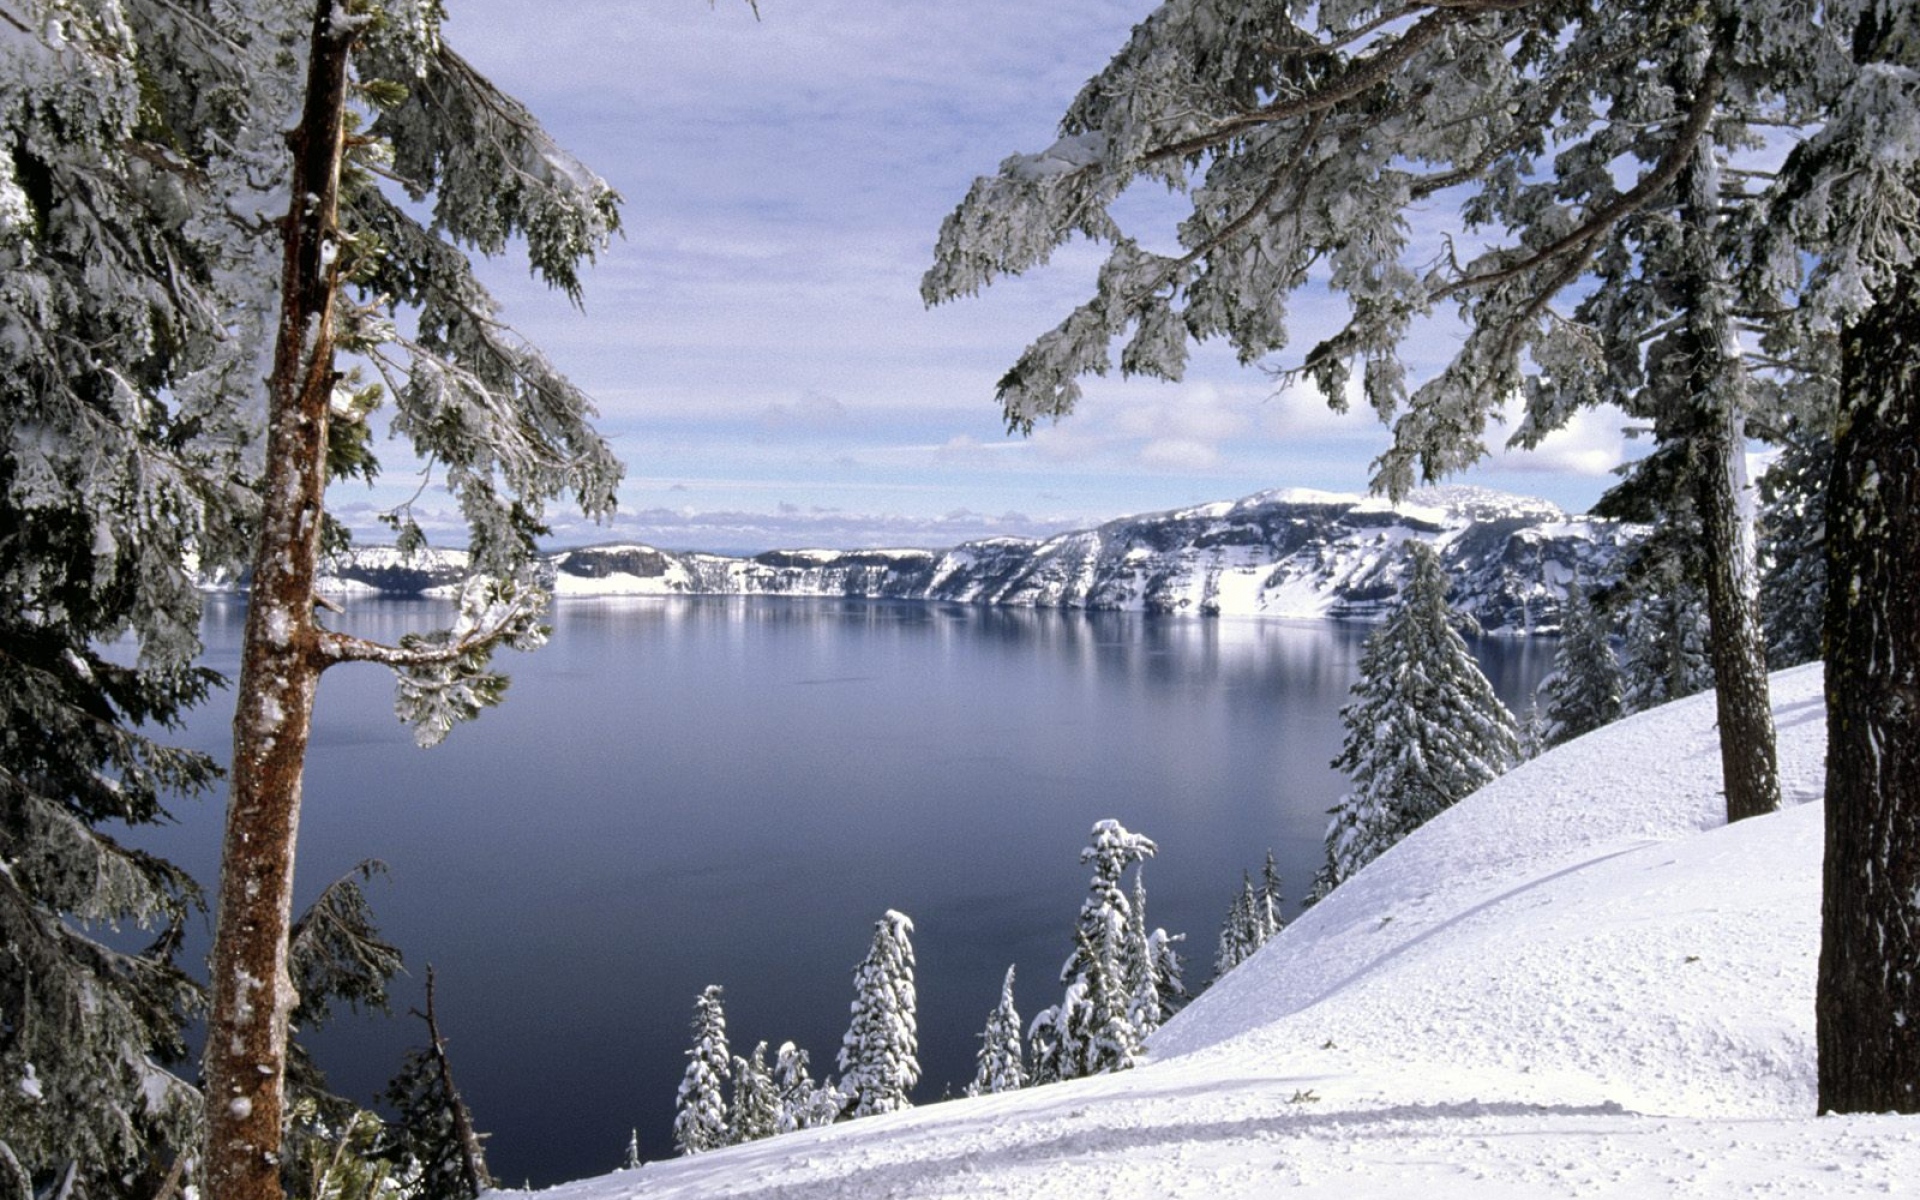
{"x": 1282, "y": 553}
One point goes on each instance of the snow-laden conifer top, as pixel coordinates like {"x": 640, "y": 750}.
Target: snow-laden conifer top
{"x": 1577, "y": 981}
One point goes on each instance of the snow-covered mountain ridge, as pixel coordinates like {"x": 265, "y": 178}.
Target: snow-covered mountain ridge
{"x": 1577, "y": 982}
{"x": 1287, "y": 553}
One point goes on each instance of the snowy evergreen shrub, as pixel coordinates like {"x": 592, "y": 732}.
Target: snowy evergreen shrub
{"x": 1425, "y": 728}
{"x": 880, "y": 1055}
{"x": 756, "y": 1102}
{"x": 1001, "y": 1062}
{"x": 1239, "y": 934}
{"x": 123, "y": 434}
{"x": 803, "y": 1103}
{"x": 700, "y": 1119}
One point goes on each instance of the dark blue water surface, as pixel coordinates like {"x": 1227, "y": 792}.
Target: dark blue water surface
{"x": 689, "y": 791}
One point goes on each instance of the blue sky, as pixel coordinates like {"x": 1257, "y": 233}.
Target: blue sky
{"x": 756, "y": 342}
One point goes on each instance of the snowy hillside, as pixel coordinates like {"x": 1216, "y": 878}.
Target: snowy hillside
{"x": 1576, "y": 982}
{"x": 1287, "y": 553}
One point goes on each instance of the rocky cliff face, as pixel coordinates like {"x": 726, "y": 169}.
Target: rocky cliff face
{"x": 1282, "y": 553}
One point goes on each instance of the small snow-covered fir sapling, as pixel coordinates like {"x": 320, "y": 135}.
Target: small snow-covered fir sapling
{"x": 1001, "y": 1061}
{"x": 1585, "y": 689}
{"x": 1156, "y": 976}
{"x": 756, "y": 1101}
{"x": 1424, "y": 730}
{"x": 880, "y": 1054}
{"x": 803, "y": 1103}
{"x": 1252, "y": 919}
{"x": 1662, "y": 600}
{"x": 1237, "y": 934}
{"x": 700, "y": 1120}
{"x": 1093, "y": 1029}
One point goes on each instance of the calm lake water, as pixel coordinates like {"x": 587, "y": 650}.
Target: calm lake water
{"x": 689, "y": 791}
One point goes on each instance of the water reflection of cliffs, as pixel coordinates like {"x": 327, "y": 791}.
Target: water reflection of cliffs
{"x": 1285, "y": 553}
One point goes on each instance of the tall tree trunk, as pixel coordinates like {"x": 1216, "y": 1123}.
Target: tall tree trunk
{"x": 280, "y": 668}
{"x": 1868, "y": 1002}
{"x": 1715, "y": 429}
{"x": 1748, "y": 758}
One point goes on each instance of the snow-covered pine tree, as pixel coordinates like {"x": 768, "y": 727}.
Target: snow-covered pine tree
{"x": 1585, "y": 689}
{"x": 1156, "y": 982}
{"x": 804, "y": 1104}
{"x": 120, "y": 450}
{"x": 1055, "y": 1037}
{"x": 1270, "y": 900}
{"x": 631, "y": 1160}
{"x": 1238, "y": 932}
{"x": 1793, "y": 531}
{"x": 1001, "y": 1061}
{"x": 1425, "y": 728}
{"x": 385, "y": 277}
{"x": 1169, "y": 970}
{"x": 1252, "y": 918}
{"x": 1661, "y": 596}
{"x": 1091, "y": 1026}
{"x": 880, "y": 1055}
{"x": 755, "y": 1112}
{"x": 700, "y": 1107}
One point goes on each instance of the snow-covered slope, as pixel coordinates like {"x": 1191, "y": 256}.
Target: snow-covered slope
{"x": 1576, "y": 982}
{"x": 1283, "y": 553}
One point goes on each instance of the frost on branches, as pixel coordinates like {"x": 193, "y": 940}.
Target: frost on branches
{"x": 126, "y": 428}
{"x": 1585, "y": 158}
{"x": 1424, "y": 730}
{"x": 879, "y": 1057}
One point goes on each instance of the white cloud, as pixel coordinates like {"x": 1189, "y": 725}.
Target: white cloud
{"x": 812, "y": 414}
{"x": 1180, "y": 454}
{"x": 1591, "y": 445}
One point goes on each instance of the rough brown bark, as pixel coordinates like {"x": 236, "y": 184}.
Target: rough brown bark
{"x": 1867, "y": 1006}
{"x": 280, "y": 667}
